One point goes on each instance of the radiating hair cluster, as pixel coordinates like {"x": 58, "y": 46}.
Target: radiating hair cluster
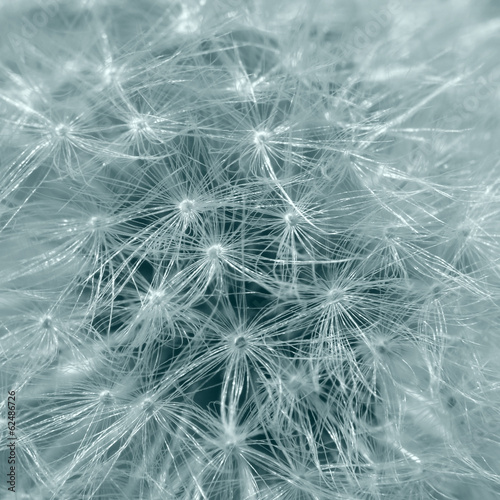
{"x": 250, "y": 251}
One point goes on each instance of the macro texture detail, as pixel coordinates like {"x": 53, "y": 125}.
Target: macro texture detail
{"x": 249, "y": 250}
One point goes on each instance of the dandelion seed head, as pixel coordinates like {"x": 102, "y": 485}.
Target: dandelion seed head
{"x": 188, "y": 20}
{"x": 380, "y": 344}
{"x": 72, "y": 66}
{"x": 294, "y": 383}
{"x": 46, "y": 322}
{"x": 93, "y": 221}
{"x": 261, "y": 137}
{"x": 147, "y": 405}
{"x": 381, "y": 348}
{"x": 335, "y": 296}
{"x": 233, "y": 438}
{"x": 106, "y": 397}
{"x": 139, "y": 125}
{"x": 279, "y": 262}
{"x": 62, "y": 130}
{"x": 292, "y": 219}
{"x": 155, "y": 298}
{"x": 465, "y": 230}
{"x": 187, "y": 207}
{"x": 240, "y": 342}
{"x": 96, "y": 222}
{"x": 242, "y": 85}
{"x": 215, "y": 252}
{"x": 110, "y": 74}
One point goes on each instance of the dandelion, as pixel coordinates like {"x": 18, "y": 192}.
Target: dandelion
{"x": 37, "y": 329}
{"x": 147, "y": 314}
{"x": 250, "y": 252}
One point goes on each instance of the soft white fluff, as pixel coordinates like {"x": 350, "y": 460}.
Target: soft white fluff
{"x": 249, "y": 250}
